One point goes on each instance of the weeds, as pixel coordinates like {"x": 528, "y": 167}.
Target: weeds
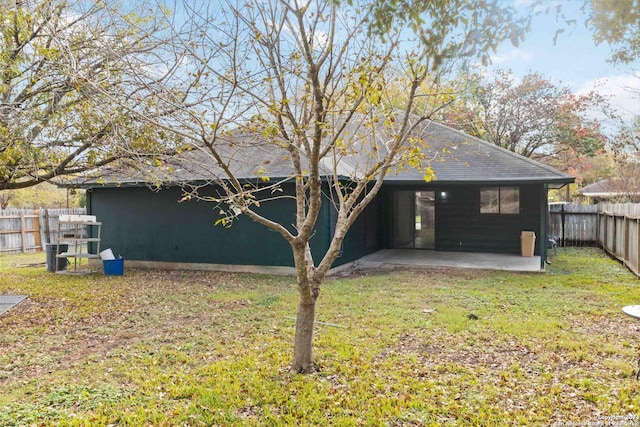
{"x": 202, "y": 348}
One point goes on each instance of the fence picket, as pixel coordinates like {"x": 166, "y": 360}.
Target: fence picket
{"x": 613, "y": 227}
{"x": 573, "y": 224}
{"x": 26, "y": 230}
{"x": 620, "y": 232}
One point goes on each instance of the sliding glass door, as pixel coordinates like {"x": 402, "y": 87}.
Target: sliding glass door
{"x": 414, "y": 220}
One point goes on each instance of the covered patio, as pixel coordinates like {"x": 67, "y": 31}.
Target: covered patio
{"x": 418, "y": 258}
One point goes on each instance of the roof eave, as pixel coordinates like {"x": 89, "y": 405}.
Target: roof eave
{"x": 552, "y": 182}
{"x": 173, "y": 183}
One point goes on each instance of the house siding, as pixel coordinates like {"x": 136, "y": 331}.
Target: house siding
{"x": 365, "y": 235}
{"x": 461, "y": 227}
{"x": 145, "y": 225}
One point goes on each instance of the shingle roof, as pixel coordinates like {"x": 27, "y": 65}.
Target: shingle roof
{"x": 611, "y": 187}
{"x": 471, "y": 159}
{"x": 456, "y": 158}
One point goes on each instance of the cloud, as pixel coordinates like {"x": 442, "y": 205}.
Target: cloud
{"x": 320, "y": 40}
{"x": 513, "y": 55}
{"x": 623, "y": 90}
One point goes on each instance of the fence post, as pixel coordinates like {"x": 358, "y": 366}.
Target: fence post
{"x": 598, "y": 243}
{"x": 625, "y": 254}
{"x": 47, "y": 230}
{"x": 637, "y": 220}
{"x": 614, "y": 238}
{"x": 23, "y": 234}
{"x": 36, "y": 230}
{"x": 562, "y": 219}
{"x": 605, "y": 238}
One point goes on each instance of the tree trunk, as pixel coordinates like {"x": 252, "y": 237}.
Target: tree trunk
{"x": 303, "y": 344}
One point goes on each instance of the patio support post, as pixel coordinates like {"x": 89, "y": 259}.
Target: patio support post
{"x": 543, "y": 232}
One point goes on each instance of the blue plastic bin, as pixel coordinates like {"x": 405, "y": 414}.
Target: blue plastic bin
{"x": 113, "y": 267}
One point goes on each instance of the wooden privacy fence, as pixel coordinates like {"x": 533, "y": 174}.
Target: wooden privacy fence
{"x": 574, "y": 224}
{"x": 615, "y": 227}
{"x": 27, "y": 230}
{"x": 619, "y": 232}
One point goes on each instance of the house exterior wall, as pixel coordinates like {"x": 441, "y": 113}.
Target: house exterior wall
{"x": 460, "y": 227}
{"x": 365, "y": 236}
{"x": 145, "y": 225}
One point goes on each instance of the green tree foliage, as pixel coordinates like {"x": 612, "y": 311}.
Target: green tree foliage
{"x": 532, "y": 117}
{"x": 311, "y": 80}
{"x": 43, "y": 195}
{"x": 62, "y": 66}
{"x": 482, "y": 24}
{"x": 615, "y": 22}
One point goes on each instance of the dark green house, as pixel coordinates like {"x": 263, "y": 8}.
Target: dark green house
{"x": 481, "y": 200}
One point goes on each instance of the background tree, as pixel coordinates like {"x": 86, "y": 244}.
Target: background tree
{"x": 626, "y": 142}
{"x": 54, "y": 55}
{"x": 616, "y": 23}
{"x": 625, "y": 156}
{"x": 44, "y": 195}
{"x": 5, "y": 199}
{"x": 532, "y": 117}
{"x": 308, "y": 80}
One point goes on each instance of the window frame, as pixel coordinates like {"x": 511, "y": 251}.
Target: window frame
{"x": 497, "y": 204}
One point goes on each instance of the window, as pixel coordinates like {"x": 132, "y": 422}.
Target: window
{"x": 500, "y": 200}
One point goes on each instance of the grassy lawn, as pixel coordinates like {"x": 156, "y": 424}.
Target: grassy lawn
{"x": 202, "y": 348}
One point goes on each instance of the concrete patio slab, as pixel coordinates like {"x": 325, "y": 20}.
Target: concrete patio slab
{"x": 433, "y": 259}
{"x": 8, "y": 301}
